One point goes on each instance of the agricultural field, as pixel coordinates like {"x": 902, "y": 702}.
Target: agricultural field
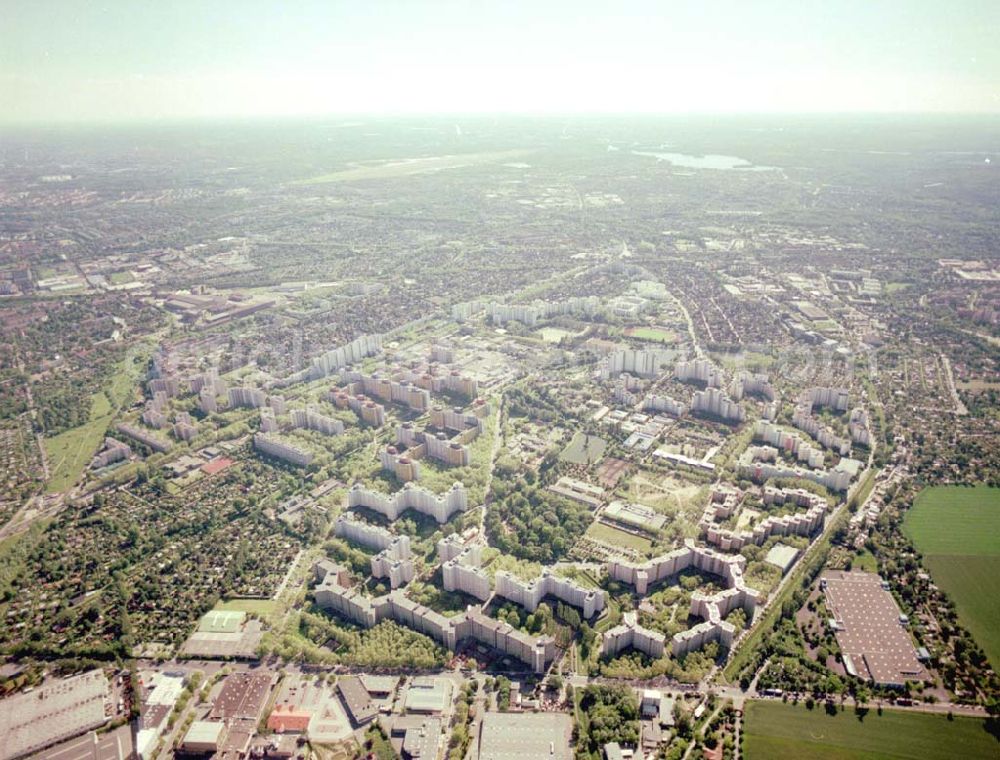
{"x": 964, "y": 559}
{"x": 780, "y": 731}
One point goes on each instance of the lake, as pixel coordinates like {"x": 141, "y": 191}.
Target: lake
{"x": 708, "y": 161}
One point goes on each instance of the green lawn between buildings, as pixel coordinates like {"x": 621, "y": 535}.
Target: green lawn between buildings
{"x": 957, "y": 529}
{"x": 779, "y": 731}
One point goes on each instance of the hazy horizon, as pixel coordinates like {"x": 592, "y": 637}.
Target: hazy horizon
{"x": 126, "y": 63}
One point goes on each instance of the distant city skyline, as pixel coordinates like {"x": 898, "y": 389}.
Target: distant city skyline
{"x": 117, "y": 60}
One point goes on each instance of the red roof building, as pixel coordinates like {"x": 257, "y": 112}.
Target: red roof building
{"x": 216, "y": 465}
{"x": 286, "y": 720}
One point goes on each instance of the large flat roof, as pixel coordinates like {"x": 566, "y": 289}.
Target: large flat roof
{"x": 356, "y": 698}
{"x": 243, "y": 695}
{"x": 57, "y": 710}
{"x": 428, "y": 695}
{"x": 525, "y": 736}
{"x": 204, "y": 732}
{"x": 782, "y": 556}
{"x": 869, "y": 629}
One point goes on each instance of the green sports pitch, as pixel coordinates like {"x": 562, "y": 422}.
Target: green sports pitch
{"x": 221, "y": 621}
{"x": 957, "y": 530}
{"x": 780, "y": 731}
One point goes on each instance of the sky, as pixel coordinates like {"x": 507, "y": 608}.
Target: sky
{"x": 123, "y": 60}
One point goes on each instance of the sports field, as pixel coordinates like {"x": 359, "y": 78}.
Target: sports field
{"x": 256, "y": 606}
{"x": 958, "y": 531}
{"x": 611, "y": 535}
{"x": 653, "y": 334}
{"x": 779, "y": 731}
{"x": 221, "y": 621}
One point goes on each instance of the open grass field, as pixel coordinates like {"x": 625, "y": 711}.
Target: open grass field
{"x": 958, "y": 531}
{"x": 69, "y": 452}
{"x": 779, "y": 731}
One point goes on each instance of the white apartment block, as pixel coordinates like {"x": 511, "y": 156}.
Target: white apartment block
{"x": 151, "y": 440}
{"x": 529, "y": 594}
{"x": 185, "y": 431}
{"x": 837, "y": 399}
{"x": 630, "y": 635}
{"x": 536, "y": 651}
{"x": 371, "y": 536}
{"x": 209, "y": 381}
{"x": 273, "y": 447}
{"x": 711, "y": 607}
{"x": 443, "y": 353}
{"x": 531, "y": 314}
{"x": 310, "y": 419}
{"x": 859, "y": 428}
{"x": 800, "y": 524}
{"x": 662, "y": 403}
{"x": 628, "y": 306}
{"x": 652, "y": 289}
{"x": 399, "y": 571}
{"x": 351, "y": 353}
{"x": 807, "y": 423}
{"x": 463, "y": 573}
{"x": 402, "y": 466}
{"x": 463, "y": 311}
{"x": 455, "y": 419}
{"x": 393, "y": 560}
{"x": 699, "y": 370}
{"x": 761, "y": 463}
{"x": 754, "y": 384}
{"x": 451, "y": 546}
{"x": 251, "y": 398}
{"x": 716, "y": 403}
{"x": 790, "y": 443}
{"x": 410, "y": 496}
{"x": 171, "y": 386}
{"x": 207, "y": 401}
{"x": 154, "y": 418}
{"x": 640, "y": 363}
{"x": 268, "y": 422}
{"x": 388, "y": 389}
{"x": 114, "y": 451}
{"x": 451, "y": 453}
